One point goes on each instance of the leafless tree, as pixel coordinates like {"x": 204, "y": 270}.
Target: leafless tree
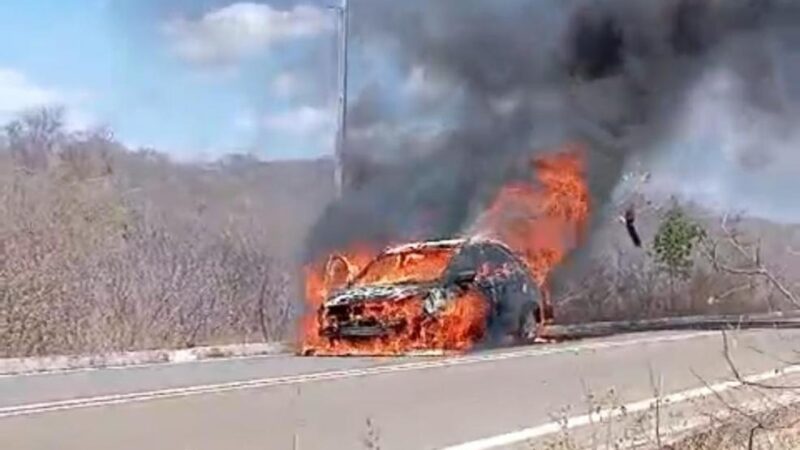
{"x": 747, "y": 260}
{"x": 105, "y": 249}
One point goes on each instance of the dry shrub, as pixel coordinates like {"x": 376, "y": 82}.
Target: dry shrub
{"x": 95, "y": 256}
{"x": 617, "y": 281}
{"x": 778, "y": 429}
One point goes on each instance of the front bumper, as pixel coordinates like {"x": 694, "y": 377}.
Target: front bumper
{"x": 357, "y": 331}
{"x": 360, "y": 321}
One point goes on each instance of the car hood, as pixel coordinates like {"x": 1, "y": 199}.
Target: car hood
{"x": 358, "y": 294}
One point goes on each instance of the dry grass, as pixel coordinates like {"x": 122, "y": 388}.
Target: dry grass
{"x": 105, "y": 249}
{"x": 613, "y": 280}
{"x": 736, "y": 434}
{"x": 102, "y": 249}
{"x": 781, "y": 431}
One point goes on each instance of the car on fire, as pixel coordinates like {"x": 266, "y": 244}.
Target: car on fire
{"x": 434, "y": 275}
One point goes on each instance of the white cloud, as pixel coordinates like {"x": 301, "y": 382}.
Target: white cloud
{"x": 18, "y": 94}
{"x": 76, "y": 119}
{"x": 245, "y": 121}
{"x": 303, "y": 121}
{"x": 304, "y": 127}
{"x": 225, "y": 35}
{"x": 285, "y": 85}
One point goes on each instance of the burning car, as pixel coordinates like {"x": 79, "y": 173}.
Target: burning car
{"x": 452, "y": 294}
{"x": 444, "y": 295}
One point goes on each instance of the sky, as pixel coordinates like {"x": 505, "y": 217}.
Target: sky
{"x": 200, "y": 79}
{"x": 196, "y": 79}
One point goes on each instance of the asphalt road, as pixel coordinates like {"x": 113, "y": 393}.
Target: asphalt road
{"x": 284, "y": 402}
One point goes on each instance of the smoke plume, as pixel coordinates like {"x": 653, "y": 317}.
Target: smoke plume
{"x": 503, "y": 80}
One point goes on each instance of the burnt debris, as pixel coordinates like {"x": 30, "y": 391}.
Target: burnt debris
{"x": 630, "y": 218}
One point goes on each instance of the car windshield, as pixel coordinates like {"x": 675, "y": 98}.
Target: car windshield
{"x": 416, "y": 266}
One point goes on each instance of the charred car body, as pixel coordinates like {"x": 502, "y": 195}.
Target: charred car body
{"x": 434, "y": 274}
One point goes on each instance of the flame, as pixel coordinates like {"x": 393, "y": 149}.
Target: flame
{"x": 542, "y": 223}
{"x": 419, "y": 266}
{"x": 456, "y": 328}
{"x": 318, "y": 283}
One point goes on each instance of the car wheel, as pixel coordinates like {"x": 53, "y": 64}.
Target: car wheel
{"x": 528, "y": 323}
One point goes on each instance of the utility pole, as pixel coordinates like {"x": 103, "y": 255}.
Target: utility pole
{"x": 341, "y": 131}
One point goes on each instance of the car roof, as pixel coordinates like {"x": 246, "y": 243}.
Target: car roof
{"x": 451, "y": 244}
{"x": 440, "y": 244}
{"x": 416, "y": 246}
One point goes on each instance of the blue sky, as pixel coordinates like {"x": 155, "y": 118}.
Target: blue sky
{"x": 199, "y": 79}
{"x": 196, "y": 79}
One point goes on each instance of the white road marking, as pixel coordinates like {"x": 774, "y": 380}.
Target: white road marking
{"x": 115, "y": 399}
{"x": 537, "y": 432}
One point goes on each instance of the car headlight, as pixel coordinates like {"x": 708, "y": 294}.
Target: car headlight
{"x": 435, "y": 301}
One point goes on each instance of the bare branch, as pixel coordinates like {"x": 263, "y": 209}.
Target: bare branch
{"x": 728, "y": 405}
{"x": 114, "y": 250}
{"x": 735, "y": 371}
{"x": 755, "y": 265}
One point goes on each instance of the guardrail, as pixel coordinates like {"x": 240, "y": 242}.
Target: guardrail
{"x": 62, "y": 363}
{"x": 716, "y": 322}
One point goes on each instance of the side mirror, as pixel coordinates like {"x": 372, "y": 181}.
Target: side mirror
{"x": 464, "y": 278}
{"x": 338, "y": 272}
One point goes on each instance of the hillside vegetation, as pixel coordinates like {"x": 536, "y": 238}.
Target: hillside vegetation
{"x": 103, "y": 248}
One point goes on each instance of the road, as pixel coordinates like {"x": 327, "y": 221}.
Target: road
{"x": 284, "y": 402}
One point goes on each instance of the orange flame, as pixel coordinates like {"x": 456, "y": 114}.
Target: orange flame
{"x": 318, "y": 283}
{"x": 541, "y": 223}
{"x": 456, "y": 328}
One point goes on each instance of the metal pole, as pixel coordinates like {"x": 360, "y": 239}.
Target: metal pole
{"x": 341, "y": 132}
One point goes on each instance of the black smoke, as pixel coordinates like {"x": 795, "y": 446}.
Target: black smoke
{"x": 529, "y": 75}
